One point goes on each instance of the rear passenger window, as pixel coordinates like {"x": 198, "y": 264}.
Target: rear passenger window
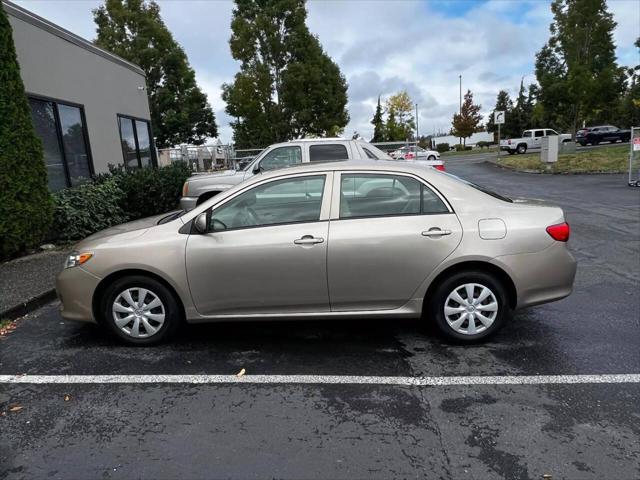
{"x": 325, "y": 153}
{"x": 539, "y": 133}
{"x": 373, "y": 195}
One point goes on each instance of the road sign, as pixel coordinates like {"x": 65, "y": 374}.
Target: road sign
{"x": 498, "y": 117}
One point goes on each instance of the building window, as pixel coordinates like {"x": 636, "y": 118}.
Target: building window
{"x": 63, "y": 132}
{"x": 135, "y": 136}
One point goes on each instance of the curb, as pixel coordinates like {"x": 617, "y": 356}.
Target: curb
{"x": 29, "y": 306}
{"x": 540, "y": 172}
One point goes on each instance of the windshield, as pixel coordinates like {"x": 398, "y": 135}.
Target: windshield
{"x": 478, "y": 187}
{"x": 251, "y": 162}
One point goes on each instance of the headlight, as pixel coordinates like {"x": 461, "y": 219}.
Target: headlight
{"x": 74, "y": 259}
{"x": 185, "y": 189}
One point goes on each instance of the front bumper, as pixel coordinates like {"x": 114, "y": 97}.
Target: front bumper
{"x": 188, "y": 203}
{"x": 75, "y": 288}
{"x": 541, "y": 277}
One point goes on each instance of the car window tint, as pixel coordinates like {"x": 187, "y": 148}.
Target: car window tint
{"x": 291, "y": 200}
{"x": 526, "y": 134}
{"x": 281, "y": 157}
{"x": 366, "y": 195}
{"x": 324, "y": 153}
{"x": 370, "y": 154}
{"x": 431, "y": 203}
{"x": 539, "y": 133}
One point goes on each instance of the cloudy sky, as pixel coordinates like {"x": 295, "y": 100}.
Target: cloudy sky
{"x": 381, "y": 46}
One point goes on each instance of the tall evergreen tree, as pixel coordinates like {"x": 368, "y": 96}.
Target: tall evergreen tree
{"x": 25, "y": 204}
{"x": 503, "y": 104}
{"x": 577, "y": 70}
{"x": 378, "y": 124}
{"x": 134, "y": 30}
{"x": 520, "y": 119}
{"x": 468, "y": 121}
{"x": 287, "y": 86}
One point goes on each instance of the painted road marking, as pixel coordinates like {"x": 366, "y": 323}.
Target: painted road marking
{"x": 321, "y": 379}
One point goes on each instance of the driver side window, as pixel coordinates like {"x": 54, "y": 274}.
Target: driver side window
{"x": 292, "y": 200}
{"x": 281, "y": 157}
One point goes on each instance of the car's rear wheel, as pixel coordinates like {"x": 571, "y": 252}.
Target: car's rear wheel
{"x": 470, "y": 306}
{"x": 511, "y": 152}
{"x": 140, "y": 310}
{"x": 431, "y": 157}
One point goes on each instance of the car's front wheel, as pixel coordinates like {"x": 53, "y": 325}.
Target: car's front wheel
{"x": 431, "y": 157}
{"x": 140, "y": 310}
{"x": 470, "y": 306}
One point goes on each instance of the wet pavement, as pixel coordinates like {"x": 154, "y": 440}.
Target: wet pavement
{"x": 355, "y": 431}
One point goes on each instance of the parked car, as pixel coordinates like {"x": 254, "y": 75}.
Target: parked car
{"x": 326, "y": 241}
{"x": 530, "y": 139}
{"x": 417, "y": 154}
{"x": 603, "y": 133}
{"x": 199, "y": 188}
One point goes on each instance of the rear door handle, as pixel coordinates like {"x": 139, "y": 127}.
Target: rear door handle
{"x": 436, "y": 232}
{"x": 308, "y": 240}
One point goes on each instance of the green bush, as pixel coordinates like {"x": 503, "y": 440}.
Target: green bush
{"x": 461, "y": 148}
{"x": 442, "y": 147}
{"x": 116, "y": 197}
{"x": 25, "y": 207}
{"x": 149, "y": 191}
{"x": 80, "y": 211}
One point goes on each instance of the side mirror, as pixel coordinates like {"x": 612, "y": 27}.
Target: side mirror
{"x": 257, "y": 168}
{"x": 200, "y": 223}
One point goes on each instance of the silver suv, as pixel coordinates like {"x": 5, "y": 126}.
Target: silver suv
{"x": 199, "y": 188}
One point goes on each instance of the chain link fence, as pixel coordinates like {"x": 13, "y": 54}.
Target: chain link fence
{"x": 208, "y": 158}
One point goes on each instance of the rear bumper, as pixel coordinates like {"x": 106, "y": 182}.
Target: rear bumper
{"x": 188, "y": 203}
{"x": 541, "y": 277}
{"x": 75, "y": 287}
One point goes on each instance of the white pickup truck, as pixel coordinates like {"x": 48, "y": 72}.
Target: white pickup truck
{"x": 531, "y": 139}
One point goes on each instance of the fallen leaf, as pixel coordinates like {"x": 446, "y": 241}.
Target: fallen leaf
{"x": 67, "y": 398}
{"x": 241, "y": 373}
{"x": 15, "y": 408}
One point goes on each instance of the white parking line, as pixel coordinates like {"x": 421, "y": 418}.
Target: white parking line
{"x": 320, "y": 379}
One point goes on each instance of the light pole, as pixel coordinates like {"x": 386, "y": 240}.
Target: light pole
{"x": 460, "y": 112}
{"x": 417, "y": 130}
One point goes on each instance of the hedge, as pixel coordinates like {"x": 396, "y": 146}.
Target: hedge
{"x": 25, "y": 207}
{"x": 116, "y": 197}
{"x": 442, "y": 147}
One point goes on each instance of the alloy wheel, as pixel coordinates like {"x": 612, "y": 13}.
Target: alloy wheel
{"x": 471, "y": 308}
{"x": 138, "y": 312}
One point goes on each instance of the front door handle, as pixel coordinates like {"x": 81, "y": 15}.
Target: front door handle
{"x": 308, "y": 240}
{"x": 436, "y": 232}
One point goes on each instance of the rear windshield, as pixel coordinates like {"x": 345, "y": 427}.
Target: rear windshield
{"x": 478, "y": 187}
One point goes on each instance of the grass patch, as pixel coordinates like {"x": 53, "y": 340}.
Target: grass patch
{"x": 596, "y": 160}
{"x": 473, "y": 151}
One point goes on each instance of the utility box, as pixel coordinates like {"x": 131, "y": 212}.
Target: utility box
{"x": 549, "y": 152}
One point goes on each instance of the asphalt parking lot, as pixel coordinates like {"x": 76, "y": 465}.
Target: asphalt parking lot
{"x": 473, "y": 429}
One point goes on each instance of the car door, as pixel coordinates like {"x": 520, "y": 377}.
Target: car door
{"x": 537, "y": 138}
{"x": 388, "y": 232}
{"x": 265, "y": 250}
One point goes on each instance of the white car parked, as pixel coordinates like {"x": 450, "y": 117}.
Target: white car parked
{"x": 419, "y": 154}
{"x": 530, "y": 139}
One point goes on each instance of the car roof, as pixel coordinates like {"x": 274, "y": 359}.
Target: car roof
{"x": 361, "y": 164}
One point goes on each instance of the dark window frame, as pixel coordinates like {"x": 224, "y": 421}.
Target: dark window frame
{"x": 152, "y": 143}
{"x": 423, "y": 186}
{"x": 85, "y": 131}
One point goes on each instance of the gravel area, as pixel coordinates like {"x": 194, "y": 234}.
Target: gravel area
{"x": 28, "y": 277}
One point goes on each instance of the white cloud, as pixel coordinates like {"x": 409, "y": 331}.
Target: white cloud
{"x": 381, "y": 47}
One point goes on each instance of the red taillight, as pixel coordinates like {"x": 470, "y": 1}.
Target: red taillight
{"x": 509, "y": 142}
{"x": 440, "y": 167}
{"x": 559, "y": 232}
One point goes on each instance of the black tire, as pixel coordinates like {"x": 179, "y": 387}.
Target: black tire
{"x": 172, "y": 310}
{"x": 437, "y": 303}
{"x": 431, "y": 157}
{"x": 522, "y": 148}
{"x": 511, "y": 152}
